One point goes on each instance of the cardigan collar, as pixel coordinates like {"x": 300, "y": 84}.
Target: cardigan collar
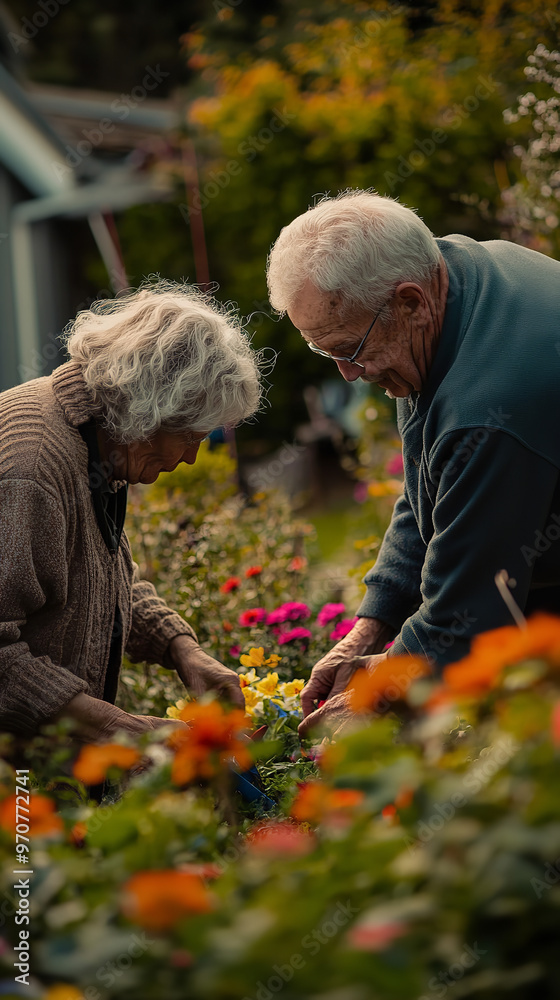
{"x": 77, "y": 401}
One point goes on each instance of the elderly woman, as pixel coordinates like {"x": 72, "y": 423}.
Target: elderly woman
{"x": 150, "y": 375}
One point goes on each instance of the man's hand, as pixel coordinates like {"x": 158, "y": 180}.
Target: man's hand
{"x": 336, "y": 713}
{"x": 200, "y": 672}
{"x": 330, "y": 675}
{"x": 98, "y": 721}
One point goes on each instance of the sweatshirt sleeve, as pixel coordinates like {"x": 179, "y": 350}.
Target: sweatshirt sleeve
{"x": 393, "y": 583}
{"x": 33, "y": 575}
{"x": 491, "y": 501}
{"x": 153, "y": 626}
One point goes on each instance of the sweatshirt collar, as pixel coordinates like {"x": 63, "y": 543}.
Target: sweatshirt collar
{"x": 77, "y": 401}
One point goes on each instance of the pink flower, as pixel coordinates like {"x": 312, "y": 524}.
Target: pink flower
{"x": 295, "y": 610}
{"x": 342, "y": 628}
{"x": 360, "y": 492}
{"x": 330, "y": 611}
{"x": 277, "y": 616}
{"x": 295, "y": 633}
{"x": 395, "y": 465}
{"x": 253, "y": 616}
{"x": 291, "y": 610}
{"x": 235, "y": 651}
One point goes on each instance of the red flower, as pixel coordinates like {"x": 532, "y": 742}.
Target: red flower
{"x": 252, "y": 617}
{"x": 232, "y": 584}
{"x": 375, "y": 936}
{"x": 253, "y": 571}
{"x": 282, "y": 838}
{"x": 297, "y": 564}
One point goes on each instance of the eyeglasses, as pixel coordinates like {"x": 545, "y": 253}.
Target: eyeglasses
{"x": 352, "y": 360}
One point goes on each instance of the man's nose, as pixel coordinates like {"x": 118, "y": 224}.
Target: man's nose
{"x": 349, "y": 371}
{"x": 190, "y": 453}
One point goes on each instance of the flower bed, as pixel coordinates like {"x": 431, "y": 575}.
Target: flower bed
{"x": 420, "y": 851}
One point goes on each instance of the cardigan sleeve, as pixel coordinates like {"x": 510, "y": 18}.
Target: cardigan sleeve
{"x": 33, "y": 575}
{"x": 492, "y": 505}
{"x": 153, "y": 625}
{"x": 393, "y": 583}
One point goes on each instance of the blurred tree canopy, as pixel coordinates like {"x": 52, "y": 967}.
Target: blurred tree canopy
{"x": 284, "y": 102}
{"x": 333, "y": 94}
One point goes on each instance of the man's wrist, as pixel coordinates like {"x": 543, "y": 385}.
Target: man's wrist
{"x": 374, "y": 633}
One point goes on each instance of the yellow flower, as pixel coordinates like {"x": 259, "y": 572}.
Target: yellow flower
{"x": 292, "y": 688}
{"x": 273, "y": 660}
{"x": 248, "y": 678}
{"x": 174, "y": 711}
{"x": 251, "y": 697}
{"x": 255, "y": 657}
{"x": 268, "y": 684}
{"x": 62, "y": 991}
{"x": 387, "y": 488}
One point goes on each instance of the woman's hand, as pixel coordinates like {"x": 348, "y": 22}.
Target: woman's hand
{"x": 200, "y": 672}
{"x": 97, "y": 721}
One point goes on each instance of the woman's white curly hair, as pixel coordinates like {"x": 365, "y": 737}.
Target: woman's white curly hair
{"x": 165, "y": 356}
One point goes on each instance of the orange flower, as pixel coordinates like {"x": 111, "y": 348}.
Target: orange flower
{"x": 227, "y": 626}
{"x": 282, "y": 838}
{"x": 158, "y": 899}
{"x": 555, "y": 724}
{"x": 391, "y": 678}
{"x": 214, "y": 736}
{"x": 253, "y": 571}
{"x": 95, "y": 760}
{"x": 231, "y": 584}
{"x": 315, "y": 800}
{"x": 491, "y": 651}
{"x": 42, "y": 815}
{"x": 78, "y": 834}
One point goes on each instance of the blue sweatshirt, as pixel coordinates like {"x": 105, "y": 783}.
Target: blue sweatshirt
{"x": 481, "y": 447}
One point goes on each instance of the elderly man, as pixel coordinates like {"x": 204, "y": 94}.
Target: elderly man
{"x": 466, "y": 336}
{"x": 150, "y": 375}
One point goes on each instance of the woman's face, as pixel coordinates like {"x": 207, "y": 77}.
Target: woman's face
{"x": 142, "y": 461}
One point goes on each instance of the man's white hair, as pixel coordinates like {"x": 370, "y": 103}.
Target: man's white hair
{"x": 165, "y": 356}
{"x": 357, "y": 245}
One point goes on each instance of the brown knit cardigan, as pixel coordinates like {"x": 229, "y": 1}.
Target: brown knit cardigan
{"x": 58, "y": 581}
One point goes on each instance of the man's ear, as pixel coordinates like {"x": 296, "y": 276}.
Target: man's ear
{"x": 410, "y": 297}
